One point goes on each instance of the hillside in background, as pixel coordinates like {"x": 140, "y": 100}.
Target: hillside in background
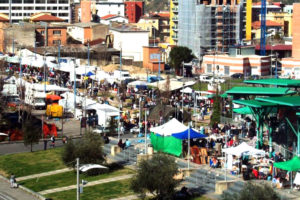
{"x": 156, "y": 5}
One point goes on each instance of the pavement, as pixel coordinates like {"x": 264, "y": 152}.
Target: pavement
{"x": 7, "y": 193}
{"x": 44, "y": 174}
{"x": 92, "y": 183}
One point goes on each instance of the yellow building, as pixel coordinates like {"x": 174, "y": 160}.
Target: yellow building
{"x": 283, "y": 18}
{"x": 173, "y": 22}
{"x": 149, "y": 24}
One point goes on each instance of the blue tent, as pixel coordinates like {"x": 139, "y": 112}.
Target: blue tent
{"x": 185, "y": 134}
{"x": 89, "y": 74}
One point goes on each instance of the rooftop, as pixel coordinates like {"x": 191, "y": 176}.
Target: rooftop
{"x": 45, "y": 17}
{"x": 256, "y": 24}
{"x": 278, "y": 47}
{"x": 126, "y": 28}
{"x": 87, "y": 24}
{"x": 109, "y": 16}
{"x": 4, "y": 18}
{"x": 253, "y": 103}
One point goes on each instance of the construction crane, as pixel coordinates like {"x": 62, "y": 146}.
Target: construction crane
{"x": 263, "y": 28}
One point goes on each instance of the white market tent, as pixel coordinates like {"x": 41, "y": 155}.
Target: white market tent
{"x": 104, "y": 112}
{"x": 243, "y": 148}
{"x": 167, "y": 129}
{"x": 174, "y": 84}
{"x": 187, "y": 90}
{"x": 135, "y": 83}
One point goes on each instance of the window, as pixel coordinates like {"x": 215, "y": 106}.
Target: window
{"x": 57, "y": 42}
{"x": 63, "y": 14}
{"x": 226, "y": 70}
{"x": 57, "y": 32}
{"x": 4, "y": 1}
{"x": 51, "y": 1}
{"x": 42, "y": 32}
{"x": 40, "y": 8}
{"x": 3, "y": 8}
{"x": 119, "y": 12}
{"x": 16, "y": 8}
{"x": 63, "y": 1}
{"x": 208, "y": 68}
{"x": 28, "y": 8}
{"x": 16, "y": 1}
{"x": 28, "y": 1}
{"x": 40, "y": 1}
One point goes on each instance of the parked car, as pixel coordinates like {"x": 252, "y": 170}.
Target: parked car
{"x": 218, "y": 80}
{"x": 237, "y": 75}
{"x": 255, "y": 77}
{"x": 101, "y": 130}
{"x": 135, "y": 129}
{"x": 205, "y": 78}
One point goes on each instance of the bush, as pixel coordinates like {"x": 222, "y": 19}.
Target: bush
{"x": 253, "y": 192}
{"x": 88, "y": 150}
{"x": 156, "y": 176}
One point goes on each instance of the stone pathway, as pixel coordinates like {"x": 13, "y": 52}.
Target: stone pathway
{"x": 92, "y": 183}
{"x": 44, "y": 174}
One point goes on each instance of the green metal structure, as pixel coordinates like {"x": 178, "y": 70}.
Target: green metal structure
{"x": 292, "y": 102}
{"x": 276, "y": 82}
{"x": 247, "y": 91}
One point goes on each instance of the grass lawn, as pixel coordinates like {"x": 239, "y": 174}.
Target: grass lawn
{"x": 97, "y": 192}
{"x": 68, "y": 178}
{"x": 23, "y": 164}
{"x": 230, "y": 83}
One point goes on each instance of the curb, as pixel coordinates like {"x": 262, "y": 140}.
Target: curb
{"x": 35, "y": 194}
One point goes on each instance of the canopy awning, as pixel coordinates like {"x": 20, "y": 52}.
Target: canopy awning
{"x": 293, "y": 101}
{"x": 259, "y": 91}
{"x": 274, "y": 81}
{"x": 253, "y": 103}
{"x": 243, "y": 148}
{"x": 246, "y": 110}
{"x": 291, "y": 165}
{"x": 167, "y": 129}
{"x": 189, "y": 133}
{"x": 187, "y": 90}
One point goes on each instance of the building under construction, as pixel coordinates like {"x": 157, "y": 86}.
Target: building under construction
{"x": 212, "y": 25}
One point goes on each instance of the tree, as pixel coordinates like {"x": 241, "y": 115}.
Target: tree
{"x": 178, "y": 55}
{"x": 253, "y": 192}
{"x": 88, "y": 150}
{"x": 31, "y": 132}
{"x": 216, "y": 112}
{"x": 113, "y": 126}
{"x": 156, "y": 176}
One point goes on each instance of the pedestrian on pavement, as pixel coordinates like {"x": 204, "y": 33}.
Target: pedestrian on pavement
{"x": 12, "y": 181}
{"x": 52, "y": 141}
{"x": 45, "y": 144}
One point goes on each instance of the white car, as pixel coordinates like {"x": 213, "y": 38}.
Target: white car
{"x": 205, "y": 78}
{"x": 218, "y": 80}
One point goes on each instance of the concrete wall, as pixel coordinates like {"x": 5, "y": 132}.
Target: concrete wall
{"x": 110, "y": 7}
{"x": 132, "y": 43}
{"x": 99, "y": 31}
{"x": 21, "y": 36}
{"x": 77, "y": 33}
{"x": 86, "y": 14}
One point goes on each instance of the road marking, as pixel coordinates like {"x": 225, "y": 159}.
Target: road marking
{"x": 4, "y": 196}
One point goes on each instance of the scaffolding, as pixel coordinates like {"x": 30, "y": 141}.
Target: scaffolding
{"x": 206, "y": 26}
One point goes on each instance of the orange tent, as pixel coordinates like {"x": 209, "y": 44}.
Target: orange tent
{"x": 53, "y": 97}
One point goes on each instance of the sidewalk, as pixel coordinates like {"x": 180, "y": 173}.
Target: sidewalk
{"x": 87, "y": 185}
{"x": 44, "y": 174}
{"x": 8, "y": 193}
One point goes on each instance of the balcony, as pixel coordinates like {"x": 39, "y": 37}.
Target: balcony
{"x": 174, "y": 19}
{"x": 174, "y": 37}
{"x": 174, "y": 27}
{"x": 175, "y": 1}
{"x": 175, "y": 10}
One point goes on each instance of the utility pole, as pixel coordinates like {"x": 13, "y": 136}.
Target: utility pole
{"x": 119, "y": 120}
{"x": 10, "y": 21}
{"x": 45, "y": 72}
{"x": 77, "y": 178}
{"x": 146, "y": 131}
{"x": 74, "y": 87}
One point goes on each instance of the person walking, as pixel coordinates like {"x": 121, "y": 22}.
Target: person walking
{"x": 52, "y": 141}
{"x": 12, "y": 181}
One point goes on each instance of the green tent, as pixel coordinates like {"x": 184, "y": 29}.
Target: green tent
{"x": 291, "y": 165}
{"x": 244, "y": 110}
{"x": 167, "y": 144}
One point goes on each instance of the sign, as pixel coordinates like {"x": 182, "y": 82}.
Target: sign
{"x": 154, "y": 56}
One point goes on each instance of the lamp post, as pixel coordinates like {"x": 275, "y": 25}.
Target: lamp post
{"x": 44, "y": 72}
{"x": 182, "y": 100}
{"x": 74, "y": 86}
{"x": 146, "y": 113}
{"x": 276, "y": 69}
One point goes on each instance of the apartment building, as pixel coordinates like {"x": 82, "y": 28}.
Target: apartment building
{"x": 23, "y": 9}
{"x": 134, "y": 10}
{"x": 173, "y": 22}
{"x": 205, "y": 25}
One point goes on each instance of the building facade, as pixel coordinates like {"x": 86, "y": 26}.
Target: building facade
{"x": 131, "y": 40}
{"x": 204, "y": 27}
{"x": 134, "y": 10}
{"x": 105, "y": 7}
{"x": 56, "y": 35}
{"x": 23, "y": 9}
{"x": 173, "y": 22}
